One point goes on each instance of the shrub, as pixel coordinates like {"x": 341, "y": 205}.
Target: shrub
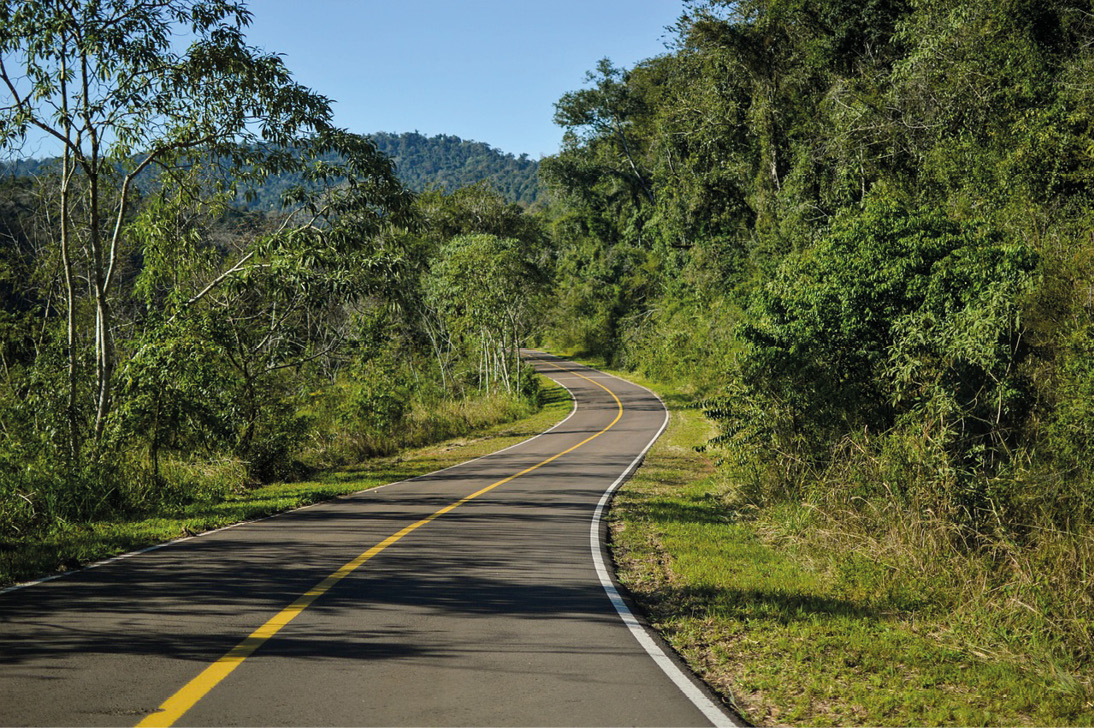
{"x": 896, "y": 316}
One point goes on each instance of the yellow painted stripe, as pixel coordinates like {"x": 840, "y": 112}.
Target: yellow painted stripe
{"x": 176, "y": 706}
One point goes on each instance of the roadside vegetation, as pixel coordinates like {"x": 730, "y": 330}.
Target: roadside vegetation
{"x": 794, "y": 624}
{"x": 859, "y": 234}
{"x": 218, "y": 498}
{"x": 166, "y": 351}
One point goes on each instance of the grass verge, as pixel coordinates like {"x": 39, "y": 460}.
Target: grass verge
{"x": 744, "y": 596}
{"x": 68, "y": 546}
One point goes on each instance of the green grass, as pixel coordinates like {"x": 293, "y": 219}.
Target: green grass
{"x": 762, "y": 617}
{"x": 68, "y": 546}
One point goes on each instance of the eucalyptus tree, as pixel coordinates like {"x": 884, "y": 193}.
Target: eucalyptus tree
{"x": 489, "y": 290}
{"x": 127, "y": 89}
{"x": 268, "y": 295}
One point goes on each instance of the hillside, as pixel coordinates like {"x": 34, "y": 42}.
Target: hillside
{"x": 448, "y": 162}
{"x": 422, "y": 163}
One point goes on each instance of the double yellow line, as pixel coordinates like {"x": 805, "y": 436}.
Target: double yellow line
{"x": 176, "y": 706}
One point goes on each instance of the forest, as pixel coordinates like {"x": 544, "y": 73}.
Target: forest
{"x": 448, "y": 163}
{"x": 422, "y": 164}
{"x": 859, "y": 232}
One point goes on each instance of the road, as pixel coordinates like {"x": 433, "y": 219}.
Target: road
{"x": 465, "y": 597}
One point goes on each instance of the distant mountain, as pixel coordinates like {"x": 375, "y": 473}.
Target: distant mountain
{"x": 448, "y": 163}
{"x": 30, "y": 167}
{"x": 422, "y": 163}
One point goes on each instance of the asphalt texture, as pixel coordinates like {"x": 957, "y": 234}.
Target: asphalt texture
{"x": 490, "y": 614}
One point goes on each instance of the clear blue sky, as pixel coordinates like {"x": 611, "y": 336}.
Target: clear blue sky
{"x": 487, "y": 70}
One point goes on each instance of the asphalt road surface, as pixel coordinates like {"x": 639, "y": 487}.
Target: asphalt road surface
{"x": 465, "y": 597}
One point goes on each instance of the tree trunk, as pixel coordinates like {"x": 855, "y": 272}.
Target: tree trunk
{"x": 70, "y": 293}
{"x": 105, "y": 368}
{"x": 104, "y": 364}
{"x": 68, "y": 168}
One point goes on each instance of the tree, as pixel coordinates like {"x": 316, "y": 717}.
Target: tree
{"x": 106, "y": 81}
{"x": 895, "y": 311}
{"x": 266, "y": 294}
{"x": 489, "y": 289}
{"x": 470, "y": 211}
{"x": 607, "y": 112}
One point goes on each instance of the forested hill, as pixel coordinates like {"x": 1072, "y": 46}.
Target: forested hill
{"x": 422, "y": 163}
{"x": 449, "y": 163}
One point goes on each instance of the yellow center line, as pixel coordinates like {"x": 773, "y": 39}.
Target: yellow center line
{"x": 176, "y": 706}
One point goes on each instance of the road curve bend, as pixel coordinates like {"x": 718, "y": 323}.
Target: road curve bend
{"x": 476, "y": 595}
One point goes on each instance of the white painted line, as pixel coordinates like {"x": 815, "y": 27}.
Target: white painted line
{"x": 146, "y": 549}
{"x": 716, "y": 715}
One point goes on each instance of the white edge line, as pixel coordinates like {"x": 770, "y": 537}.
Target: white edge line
{"x": 713, "y": 712}
{"x": 172, "y": 542}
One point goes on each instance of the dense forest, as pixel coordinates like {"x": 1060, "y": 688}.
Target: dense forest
{"x": 448, "y": 163}
{"x": 422, "y": 164}
{"x": 863, "y": 229}
{"x": 860, "y": 230}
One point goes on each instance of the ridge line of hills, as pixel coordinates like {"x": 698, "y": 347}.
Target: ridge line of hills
{"x": 422, "y": 163}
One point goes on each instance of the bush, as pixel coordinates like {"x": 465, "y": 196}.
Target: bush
{"x": 897, "y": 316}
{"x": 377, "y": 400}
{"x": 530, "y": 386}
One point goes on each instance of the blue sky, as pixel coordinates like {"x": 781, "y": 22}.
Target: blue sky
{"x": 487, "y": 70}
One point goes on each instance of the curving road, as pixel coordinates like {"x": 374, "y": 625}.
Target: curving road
{"x": 470, "y": 596}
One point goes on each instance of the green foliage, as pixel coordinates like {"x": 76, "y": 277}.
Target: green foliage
{"x": 448, "y": 164}
{"x": 896, "y": 319}
{"x": 174, "y": 395}
{"x": 530, "y": 387}
{"x": 487, "y": 289}
{"x": 485, "y": 281}
{"x": 442, "y": 163}
{"x": 201, "y": 495}
{"x": 160, "y": 347}
{"x": 376, "y": 404}
{"x": 477, "y": 209}
{"x": 822, "y": 333}
{"x": 1071, "y": 429}
{"x": 863, "y": 226}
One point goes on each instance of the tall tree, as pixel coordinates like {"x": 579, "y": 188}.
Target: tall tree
{"x": 489, "y": 289}
{"x": 107, "y": 81}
